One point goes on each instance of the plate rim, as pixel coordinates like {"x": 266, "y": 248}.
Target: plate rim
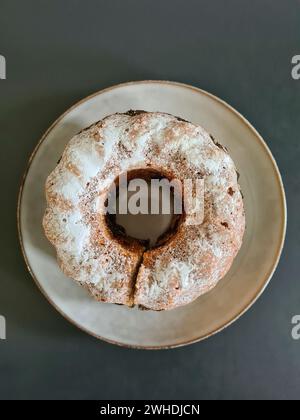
{"x": 283, "y": 211}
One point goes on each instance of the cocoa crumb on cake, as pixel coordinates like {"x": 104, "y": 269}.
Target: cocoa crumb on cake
{"x": 94, "y": 251}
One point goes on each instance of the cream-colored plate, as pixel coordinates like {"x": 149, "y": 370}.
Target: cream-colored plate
{"x": 254, "y": 266}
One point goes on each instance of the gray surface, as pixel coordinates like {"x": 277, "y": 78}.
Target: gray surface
{"x": 57, "y": 53}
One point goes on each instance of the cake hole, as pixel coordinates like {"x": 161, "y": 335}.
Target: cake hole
{"x": 146, "y": 209}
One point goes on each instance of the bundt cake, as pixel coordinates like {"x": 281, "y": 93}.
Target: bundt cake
{"x": 92, "y": 249}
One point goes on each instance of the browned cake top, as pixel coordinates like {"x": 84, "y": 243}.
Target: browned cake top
{"x": 192, "y": 261}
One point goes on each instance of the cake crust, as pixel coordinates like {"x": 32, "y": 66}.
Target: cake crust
{"x": 190, "y": 262}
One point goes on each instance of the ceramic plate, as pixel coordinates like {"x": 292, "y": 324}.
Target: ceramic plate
{"x": 265, "y": 212}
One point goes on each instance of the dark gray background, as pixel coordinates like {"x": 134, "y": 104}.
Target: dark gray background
{"x": 60, "y": 51}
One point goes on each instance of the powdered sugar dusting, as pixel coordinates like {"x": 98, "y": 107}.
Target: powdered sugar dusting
{"x": 185, "y": 267}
